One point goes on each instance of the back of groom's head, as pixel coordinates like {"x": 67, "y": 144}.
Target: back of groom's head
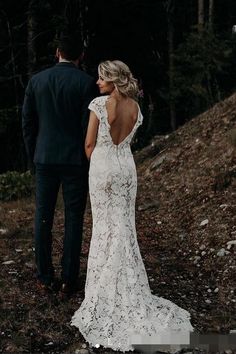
{"x": 70, "y": 46}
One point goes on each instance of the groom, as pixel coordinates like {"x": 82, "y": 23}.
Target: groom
{"x": 54, "y": 123}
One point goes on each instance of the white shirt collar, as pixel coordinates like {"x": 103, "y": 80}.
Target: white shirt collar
{"x": 64, "y": 61}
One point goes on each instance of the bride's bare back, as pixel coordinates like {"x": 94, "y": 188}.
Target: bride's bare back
{"x": 122, "y": 116}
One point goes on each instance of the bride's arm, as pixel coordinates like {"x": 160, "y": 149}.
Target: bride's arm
{"x": 91, "y": 136}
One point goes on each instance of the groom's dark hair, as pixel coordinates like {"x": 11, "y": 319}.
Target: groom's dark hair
{"x": 70, "y": 46}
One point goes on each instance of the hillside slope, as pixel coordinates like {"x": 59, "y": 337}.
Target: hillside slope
{"x": 187, "y": 188}
{"x": 186, "y": 228}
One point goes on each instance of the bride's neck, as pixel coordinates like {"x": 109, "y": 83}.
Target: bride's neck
{"x": 117, "y": 95}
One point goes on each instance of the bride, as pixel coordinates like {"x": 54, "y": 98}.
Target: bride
{"x": 118, "y": 303}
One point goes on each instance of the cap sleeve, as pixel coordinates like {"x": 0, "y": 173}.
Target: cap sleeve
{"x": 140, "y": 117}
{"x": 95, "y": 106}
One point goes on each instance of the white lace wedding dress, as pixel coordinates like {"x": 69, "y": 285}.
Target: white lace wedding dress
{"x": 118, "y": 302}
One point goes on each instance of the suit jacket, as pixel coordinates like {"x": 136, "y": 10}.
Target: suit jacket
{"x": 55, "y": 115}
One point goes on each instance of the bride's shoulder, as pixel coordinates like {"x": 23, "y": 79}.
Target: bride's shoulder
{"x": 100, "y": 100}
{"x": 97, "y": 105}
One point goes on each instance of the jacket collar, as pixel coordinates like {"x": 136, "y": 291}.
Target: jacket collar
{"x": 70, "y": 64}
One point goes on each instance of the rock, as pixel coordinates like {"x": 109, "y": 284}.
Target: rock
{"x": 222, "y": 252}
{"x": 18, "y": 250}
{"x": 49, "y": 343}
{"x": 223, "y": 206}
{"x": 12, "y": 348}
{"x": 29, "y": 265}
{"x": 3, "y": 231}
{"x": 157, "y": 162}
{"x": 204, "y": 222}
{"x": 202, "y": 247}
{"x": 152, "y": 204}
{"x": 82, "y": 351}
{"x": 8, "y": 262}
{"x": 216, "y": 290}
{"x": 208, "y": 301}
{"x": 230, "y": 243}
{"x": 196, "y": 259}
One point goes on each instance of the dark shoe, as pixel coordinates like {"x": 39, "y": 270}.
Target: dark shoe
{"x": 68, "y": 289}
{"x": 45, "y": 288}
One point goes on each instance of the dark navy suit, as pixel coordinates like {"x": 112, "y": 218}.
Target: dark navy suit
{"x": 54, "y": 123}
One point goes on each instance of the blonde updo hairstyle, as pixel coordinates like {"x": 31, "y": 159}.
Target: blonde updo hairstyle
{"x": 119, "y": 73}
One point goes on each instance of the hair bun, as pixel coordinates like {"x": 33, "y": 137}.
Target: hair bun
{"x": 119, "y": 73}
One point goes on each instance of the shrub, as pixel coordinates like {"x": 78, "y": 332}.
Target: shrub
{"x": 15, "y": 185}
{"x": 12, "y": 152}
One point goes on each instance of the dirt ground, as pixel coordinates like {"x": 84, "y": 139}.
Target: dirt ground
{"x": 186, "y": 227}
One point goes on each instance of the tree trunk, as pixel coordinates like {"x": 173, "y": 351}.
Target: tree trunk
{"x": 81, "y": 21}
{"x": 86, "y": 33}
{"x": 171, "y": 78}
{"x": 211, "y": 9}
{"x": 30, "y": 41}
{"x": 171, "y": 69}
{"x": 13, "y": 63}
{"x": 15, "y": 85}
{"x": 151, "y": 123}
{"x": 74, "y": 14}
{"x": 200, "y": 15}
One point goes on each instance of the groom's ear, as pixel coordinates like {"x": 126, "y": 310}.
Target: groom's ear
{"x": 81, "y": 57}
{"x": 57, "y": 55}
{"x": 79, "y": 60}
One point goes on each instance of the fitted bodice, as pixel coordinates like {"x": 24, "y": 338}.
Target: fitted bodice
{"x": 104, "y": 139}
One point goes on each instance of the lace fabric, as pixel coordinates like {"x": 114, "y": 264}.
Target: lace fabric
{"x": 118, "y": 302}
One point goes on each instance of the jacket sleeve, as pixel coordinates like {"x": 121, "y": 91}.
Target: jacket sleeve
{"x": 29, "y": 122}
{"x": 90, "y": 93}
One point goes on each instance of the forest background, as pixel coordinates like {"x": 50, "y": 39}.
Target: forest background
{"x": 182, "y": 52}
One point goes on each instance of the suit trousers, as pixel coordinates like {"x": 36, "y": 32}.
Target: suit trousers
{"x": 74, "y": 182}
